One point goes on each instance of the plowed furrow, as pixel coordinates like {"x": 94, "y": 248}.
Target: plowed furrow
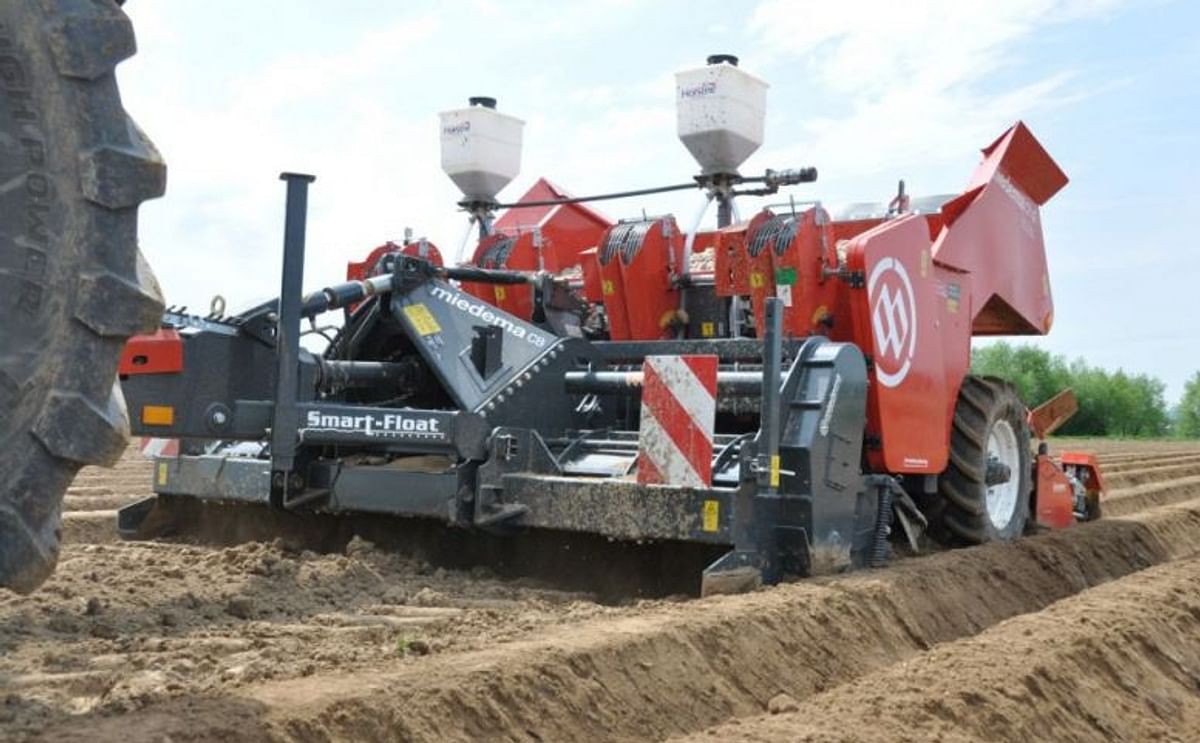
{"x": 1143, "y": 462}
{"x": 1141, "y": 497}
{"x": 1117, "y": 662}
{"x": 1144, "y": 475}
{"x": 678, "y": 669}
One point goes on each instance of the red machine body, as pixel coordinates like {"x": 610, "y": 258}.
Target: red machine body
{"x": 792, "y": 258}
{"x": 359, "y": 270}
{"x": 908, "y": 315}
{"x": 993, "y": 231}
{"x": 1047, "y": 417}
{"x": 731, "y": 275}
{"x": 512, "y": 252}
{"x": 160, "y": 352}
{"x": 639, "y": 260}
{"x": 1086, "y": 469}
{"x": 909, "y": 289}
{"x": 567, "y": 229}
{"x": 1061, "y": 485}
{"x": 593, "y": 284}
{"x": 1056, "y": 488}
{"x": 1055, "y": 495}
{"x": 536, "y": 238}
{"x": 928, "y": 285}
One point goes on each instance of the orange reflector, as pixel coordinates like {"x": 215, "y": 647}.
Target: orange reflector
{"x": 158, "y": 415}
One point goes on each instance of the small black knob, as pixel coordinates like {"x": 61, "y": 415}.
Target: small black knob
{"x": 723, "y": 58}
{"x": 482, "y": 100}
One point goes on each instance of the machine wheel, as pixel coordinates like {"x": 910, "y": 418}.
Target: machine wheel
{"x": 73, "y": 285}
{"x": 984, "y": 492}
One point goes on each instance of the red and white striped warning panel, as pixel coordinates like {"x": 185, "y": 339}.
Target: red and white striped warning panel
{"x": 679, "y": 404}
{"x": 152, "y": 448}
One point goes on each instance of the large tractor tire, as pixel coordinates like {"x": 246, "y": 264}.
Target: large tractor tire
{"x": 73, "y": 286}
{"x": 984, "y": 492}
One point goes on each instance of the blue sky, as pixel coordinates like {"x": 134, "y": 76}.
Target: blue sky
{"x": 234, "y": 92}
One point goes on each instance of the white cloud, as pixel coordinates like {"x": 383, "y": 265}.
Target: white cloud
{"x": 338, "y": 114}
{"x": 297, "y": 77}
{"x": 916, "y": 81}
{"x": 867, "y": 47}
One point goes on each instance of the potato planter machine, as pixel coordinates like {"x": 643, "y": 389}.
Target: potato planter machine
{"x": 793, "y": 387}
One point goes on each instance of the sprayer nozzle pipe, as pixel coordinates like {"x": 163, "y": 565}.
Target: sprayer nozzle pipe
{"x": 789, "y": 177}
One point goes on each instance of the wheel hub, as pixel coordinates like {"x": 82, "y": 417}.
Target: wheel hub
{"x": 1003, "y": 459}
{"x": 997, "y": 472}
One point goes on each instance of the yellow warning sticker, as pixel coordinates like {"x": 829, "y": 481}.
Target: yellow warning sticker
{"x": 422, "y": 319}
{"x": 708, "y": 329}
{"x": 162, "y": 473}
{"x": 711, "y": 516}
{"x": 501, "y": 294}
{"x": 775, "y": 471}
{"x": 607, "y": 287}
{"x": 757, "y": 280}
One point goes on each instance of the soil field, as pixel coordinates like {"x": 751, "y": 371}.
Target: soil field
{"x": 1092, "y": 633}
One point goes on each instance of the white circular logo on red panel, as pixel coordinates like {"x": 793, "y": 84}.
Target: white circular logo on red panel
{"x": 893, "y": 320}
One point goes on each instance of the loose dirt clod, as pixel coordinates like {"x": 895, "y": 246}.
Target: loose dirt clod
{"x": 781, "y": 703}
{"x": 240, "y": 607}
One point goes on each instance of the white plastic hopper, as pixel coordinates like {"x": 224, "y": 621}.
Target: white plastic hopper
{"x": 720, "y": 110}
{"x": 481, "y": 148}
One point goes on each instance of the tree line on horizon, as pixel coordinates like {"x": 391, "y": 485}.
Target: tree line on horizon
{"x": 1114, "y": 404}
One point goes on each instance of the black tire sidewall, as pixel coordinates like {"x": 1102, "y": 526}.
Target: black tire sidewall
{"x": 43, "y": 263}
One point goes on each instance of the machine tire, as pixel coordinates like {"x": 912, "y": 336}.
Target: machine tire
{"x": 73, "y": 285}
{"x": 988, "y": 411}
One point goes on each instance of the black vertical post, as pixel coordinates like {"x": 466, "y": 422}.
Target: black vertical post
{"x": 768, "y": 469}
{"x": 724, "y": 209}
{"x": 286, "y": 423}
{"x": 758, "y": 512}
